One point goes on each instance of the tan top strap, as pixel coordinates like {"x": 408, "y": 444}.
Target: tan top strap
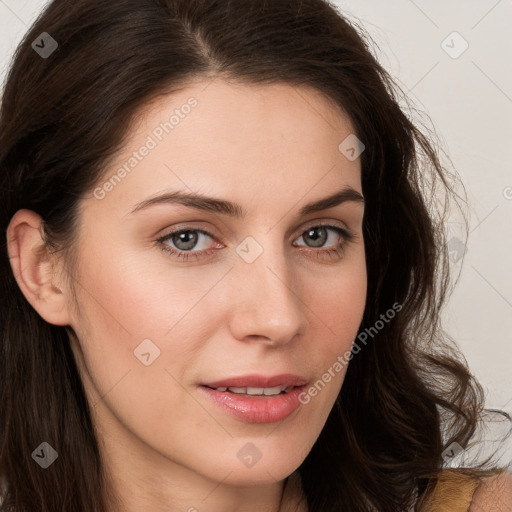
{"x": 452, "y": 493}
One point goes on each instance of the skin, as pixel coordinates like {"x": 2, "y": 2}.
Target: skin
{"x": 494, "y": 494}
{"x": 272, "y": 149}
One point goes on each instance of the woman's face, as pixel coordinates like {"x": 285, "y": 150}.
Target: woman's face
{"x": 262, "y": 294}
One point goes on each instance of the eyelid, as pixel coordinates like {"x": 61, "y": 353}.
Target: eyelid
{"x": 191, "y": 226}
{"x": 324, "y": 222}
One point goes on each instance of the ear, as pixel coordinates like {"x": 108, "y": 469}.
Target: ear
{"x": 35, "y": 268}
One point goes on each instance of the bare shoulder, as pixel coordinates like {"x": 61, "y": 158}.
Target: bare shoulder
{"x": 494, "y": 494}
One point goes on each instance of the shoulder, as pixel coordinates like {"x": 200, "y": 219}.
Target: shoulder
{"x": 494, "y": 494}
{"x": 457, "y": 491}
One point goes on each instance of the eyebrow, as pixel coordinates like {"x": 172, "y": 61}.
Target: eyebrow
{"x": 224, "y": 207}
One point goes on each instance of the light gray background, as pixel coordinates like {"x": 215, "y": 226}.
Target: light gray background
{"x": 469, "y": 100}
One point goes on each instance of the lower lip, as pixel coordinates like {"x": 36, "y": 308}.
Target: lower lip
{"x": 256, "y": 409}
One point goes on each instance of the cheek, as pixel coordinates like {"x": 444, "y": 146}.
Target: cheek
{"x": 336, "y": 302}
{"x": 340, "y": 301}
{"x": 138, "y": 343}
{"x": 339, "y": 306}
{"x": 129, "y": 298}
{"x": 125, "y": 305}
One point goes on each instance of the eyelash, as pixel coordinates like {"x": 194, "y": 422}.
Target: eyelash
{"x": 336, "y": 252}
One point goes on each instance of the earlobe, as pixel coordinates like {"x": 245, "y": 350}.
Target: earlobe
{"x": 34, "y": 268}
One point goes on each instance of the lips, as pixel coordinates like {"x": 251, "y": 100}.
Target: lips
{"x": 254, "y": 408}
{"x": 256, "y": 398}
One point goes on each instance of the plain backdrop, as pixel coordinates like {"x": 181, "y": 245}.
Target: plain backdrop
{"x": 452, "y": 58}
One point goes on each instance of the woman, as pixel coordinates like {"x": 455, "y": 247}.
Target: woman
{"x": 224, "y": 280}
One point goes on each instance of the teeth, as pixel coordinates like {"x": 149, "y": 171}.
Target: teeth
{"x": 273, "y": 391}
{"x": 238, "y": 390}
{"x": 256, "y": 391}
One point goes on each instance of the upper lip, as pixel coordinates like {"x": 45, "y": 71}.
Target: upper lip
{"x": 258, "y": 381}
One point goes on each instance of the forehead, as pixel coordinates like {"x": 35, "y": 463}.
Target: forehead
{"x": 233, "y": 138}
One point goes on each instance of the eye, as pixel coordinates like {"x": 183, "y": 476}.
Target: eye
{"x": 319, "y": 235}
{"x": 184, "y": 240}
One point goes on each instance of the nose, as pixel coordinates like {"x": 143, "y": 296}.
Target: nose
{"x": 269, "y": 305}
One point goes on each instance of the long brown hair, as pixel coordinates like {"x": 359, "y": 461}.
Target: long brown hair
{"x": 407, "y": 394}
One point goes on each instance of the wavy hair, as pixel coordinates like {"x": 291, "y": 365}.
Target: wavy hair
{"x": 407, "y": 394}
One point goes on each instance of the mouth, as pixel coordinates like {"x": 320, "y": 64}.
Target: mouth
{"x": 257, "y": 399}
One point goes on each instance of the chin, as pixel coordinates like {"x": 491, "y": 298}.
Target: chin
{"x": 267, "y": 470}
